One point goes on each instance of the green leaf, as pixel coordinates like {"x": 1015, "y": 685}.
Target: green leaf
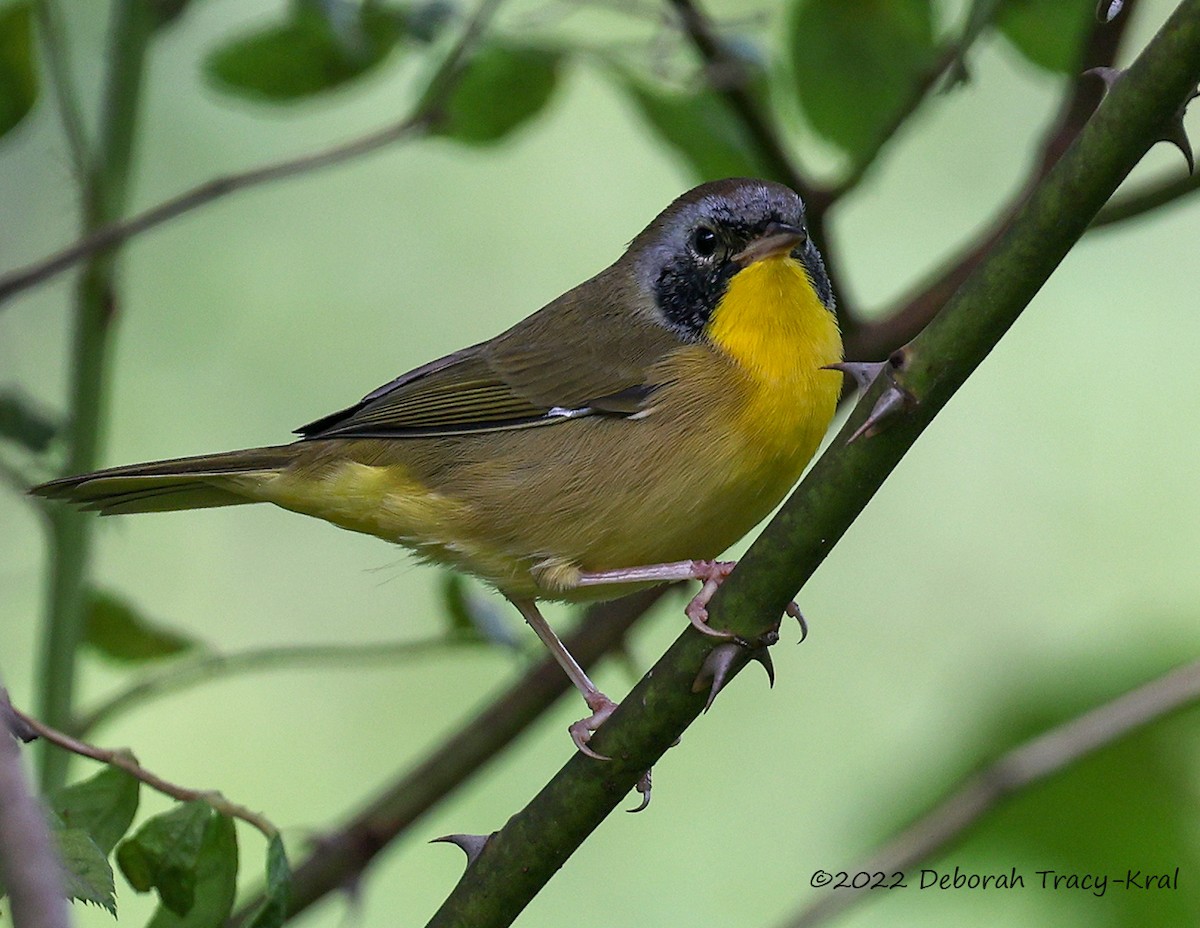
{"x": 164, "y": 852}
{"x": 215, "y": 879}
{"x": 87, "y": 875}
{"x": 321, "y": 47}
{"x": 1050, "y": 33}
{"x": 103, "y": 806}
{"x": 503, "y": 87}
{"x": 18, "y": 76}
{"x": 273, "y": 911}
{"x": 701, "y": 129}
{"x": 115, "y": 629}
{"x": 20, "y": 420}
{"x": 857, "y": 64}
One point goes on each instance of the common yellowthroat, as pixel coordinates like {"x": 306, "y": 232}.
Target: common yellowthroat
{"x": 651, "y": 415}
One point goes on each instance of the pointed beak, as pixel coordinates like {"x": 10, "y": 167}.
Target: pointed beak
{"x": 777, "y": 239}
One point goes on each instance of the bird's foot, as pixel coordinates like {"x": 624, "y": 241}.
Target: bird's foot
{"x": 713, "y": 574}
{"x": 581, "y": 732}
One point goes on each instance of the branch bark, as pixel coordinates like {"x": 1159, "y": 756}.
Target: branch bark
{"x": 520, "y": 858}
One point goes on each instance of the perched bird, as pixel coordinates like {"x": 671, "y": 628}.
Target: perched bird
{"x": 624, "y": 434}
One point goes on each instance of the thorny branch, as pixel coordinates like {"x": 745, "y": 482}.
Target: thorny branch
{"x": 513, "y": 864}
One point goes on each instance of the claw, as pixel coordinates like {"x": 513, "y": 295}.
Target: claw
{"x": 717, "y": 669}
{"x": 581, "y": 732}
{"x": 10, "y": 720}
{"x": 471, "y": 845}
{"x": 713, "y": 573}
{"x": 643, "y": 787}
{"x": 794, "y": 611}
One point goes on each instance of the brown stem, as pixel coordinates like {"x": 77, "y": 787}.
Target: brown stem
{"x": 127, "y": 762}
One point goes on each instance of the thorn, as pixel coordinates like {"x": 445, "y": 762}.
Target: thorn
{"x": 1176, "y": 134}
{"x": 762, "y": 655}
{"x": 893, "y": 400}
{"x": 1109, "y": 76}
{"x": 643, "y": 787}
{"x": 863, "y": 372}
{"x": 717, "y": 669}
{"x": 471, "y": 845}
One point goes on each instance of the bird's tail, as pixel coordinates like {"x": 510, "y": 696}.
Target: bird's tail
{"x": 160, "y": 486}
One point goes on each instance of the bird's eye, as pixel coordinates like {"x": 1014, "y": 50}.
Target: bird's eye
{"x": 705, "y": 242}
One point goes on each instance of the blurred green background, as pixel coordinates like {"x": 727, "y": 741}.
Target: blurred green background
{"x": 1034, "y": 554}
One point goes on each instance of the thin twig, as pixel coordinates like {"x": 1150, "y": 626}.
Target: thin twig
{"x": 871, "y": 341}
{"x": 30, "y": 867}
{"x": 726, "y": 76}
{"x": 340, "y": 857}
{"x": 423, "y": 117}
{"x": 1036, "y": 759}
{"x": 189, "y": 672}
{"x": 127, "y": 762}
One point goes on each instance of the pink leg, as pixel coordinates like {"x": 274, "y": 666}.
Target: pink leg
{"x": 602, "y": 707}
{"x": 711, "y": 574}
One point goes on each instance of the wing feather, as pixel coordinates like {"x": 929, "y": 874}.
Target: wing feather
{"x": 549, "y": 368}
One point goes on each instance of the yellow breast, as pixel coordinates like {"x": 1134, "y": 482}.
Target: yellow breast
{"x": 775, "y": 328}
